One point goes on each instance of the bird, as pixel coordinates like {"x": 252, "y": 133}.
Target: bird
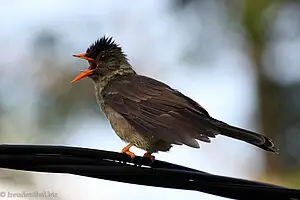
{"x": 147, "y": 113}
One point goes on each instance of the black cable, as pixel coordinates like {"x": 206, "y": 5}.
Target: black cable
{"x": 118, "y": 167}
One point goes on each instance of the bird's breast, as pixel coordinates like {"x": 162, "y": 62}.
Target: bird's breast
{"x": 125, "y": 130}
{"x": 120, "y": 125}
{"x": 129, "y": 134}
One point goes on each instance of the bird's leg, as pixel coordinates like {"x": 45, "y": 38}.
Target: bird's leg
{"x": 126, "y": 151}
{"x": 148, "y": 155}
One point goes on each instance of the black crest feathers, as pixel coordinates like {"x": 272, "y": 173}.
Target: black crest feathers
{"x": 102, "y": 44}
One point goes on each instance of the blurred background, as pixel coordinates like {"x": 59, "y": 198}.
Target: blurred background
{"x": 237, "y": 58}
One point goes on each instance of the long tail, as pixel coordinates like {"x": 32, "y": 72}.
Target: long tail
{"x": 250, "y": 137}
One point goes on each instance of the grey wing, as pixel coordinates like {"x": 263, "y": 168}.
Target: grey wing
{"x": 155, "y": 109}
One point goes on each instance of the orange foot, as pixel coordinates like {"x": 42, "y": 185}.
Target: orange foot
{"x": 126, "y": 151}
{"x": 148, "y": 155}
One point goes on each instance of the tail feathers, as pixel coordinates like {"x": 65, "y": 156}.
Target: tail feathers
{"x": 250, "y": 137}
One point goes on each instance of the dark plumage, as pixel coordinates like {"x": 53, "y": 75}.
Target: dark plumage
{"x": 156, "y": 109}
{"x": 148, "y": 113}
{"x": 102, "y": 44}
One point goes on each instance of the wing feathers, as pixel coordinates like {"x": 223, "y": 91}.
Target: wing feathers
{"x": 155, "y": 109}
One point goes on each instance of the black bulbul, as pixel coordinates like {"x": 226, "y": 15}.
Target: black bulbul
{"x": 147, "y": 113}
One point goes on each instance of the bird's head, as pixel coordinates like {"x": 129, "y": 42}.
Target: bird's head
{"x": 104, "y": 56}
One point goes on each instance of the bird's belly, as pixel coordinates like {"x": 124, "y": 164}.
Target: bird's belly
{"x": 128, "y": 133}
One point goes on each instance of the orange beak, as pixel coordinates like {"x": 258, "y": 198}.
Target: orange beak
{"x": 82, "y": 56}
{"x": 83, "y": 74}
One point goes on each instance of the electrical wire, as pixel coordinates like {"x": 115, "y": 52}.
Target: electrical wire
{"x": 119, "y": 167}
